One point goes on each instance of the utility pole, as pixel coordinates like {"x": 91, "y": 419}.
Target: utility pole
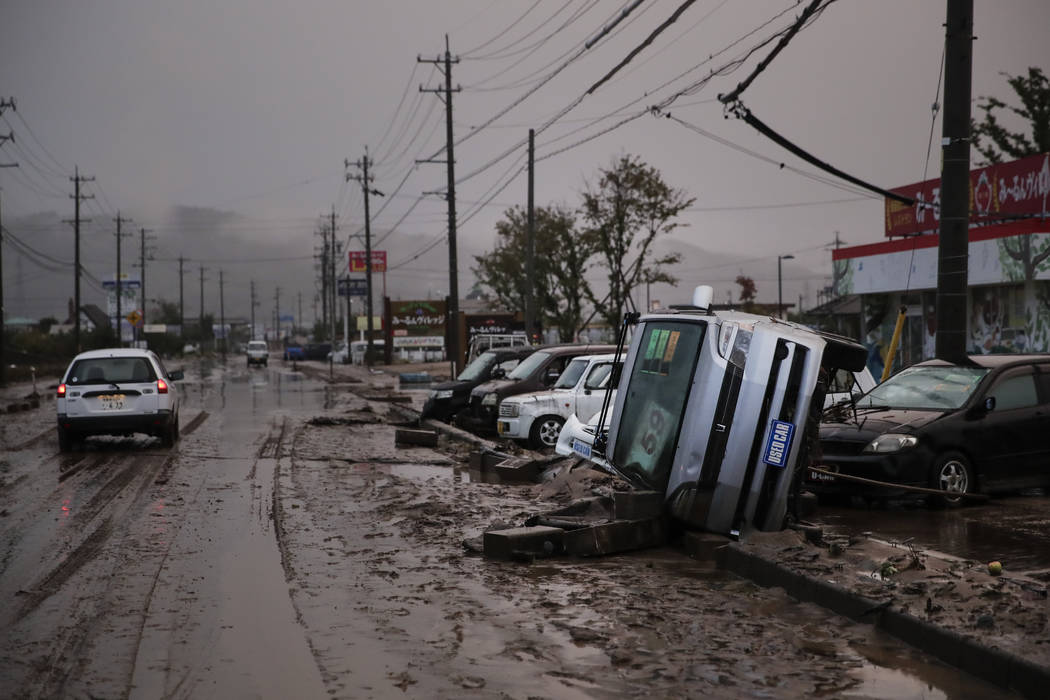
{"x": 530, "y": 248}
{"x": 953, "y": 249}
{"x": 3, "y": 315}
{"x": 277, "y": 311}
{"x": 118, "y": 282}
{"x": 4, "y": 104}
{"x": 222, "y": 314}
{"x": 200, "y": 317}
{"x": 324, "y": 276}
{"x": 331, "y": 281}
{"x": 142, "y": 271}
{"x": 365, "y": 179}
{"x": 299, "y": 318}
{"x": 251, "y": 334}
{"x": 182, "y": 314}
{"x": 78, "y": 180}
{"x": 450, "y": 160}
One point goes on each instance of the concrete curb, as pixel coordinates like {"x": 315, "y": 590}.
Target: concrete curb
{"x": 994, "y": 665}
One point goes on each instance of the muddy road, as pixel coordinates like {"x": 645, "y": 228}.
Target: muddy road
{"x": 285, "y": 547}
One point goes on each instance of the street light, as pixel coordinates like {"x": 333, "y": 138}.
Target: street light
{"x": 780, "y": 285}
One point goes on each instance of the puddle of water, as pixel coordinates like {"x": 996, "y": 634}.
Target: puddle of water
{"x": 895, "y": 671}
{"x": 1014, "y": 531}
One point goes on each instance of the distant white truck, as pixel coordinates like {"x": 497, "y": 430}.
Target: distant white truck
{"x": 537, "y": 417}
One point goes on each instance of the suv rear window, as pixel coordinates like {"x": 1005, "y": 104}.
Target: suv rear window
{"x": 111, "y": 370}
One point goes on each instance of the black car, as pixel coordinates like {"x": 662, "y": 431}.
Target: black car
{"x": 537, "y": 372}
{"x": 317, "y": 351}
{"x": 978, "y": 426}
{"x": 449, "y": 398}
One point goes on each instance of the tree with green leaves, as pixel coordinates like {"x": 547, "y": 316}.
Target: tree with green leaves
{"x": 561, "y": 260}
{"x": 748, "y": 290}
{"x": 994, "y": 141}
{"x": 628, "y": 208}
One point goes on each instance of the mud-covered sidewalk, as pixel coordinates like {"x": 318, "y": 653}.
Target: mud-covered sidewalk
{"x": 423, "y": 614}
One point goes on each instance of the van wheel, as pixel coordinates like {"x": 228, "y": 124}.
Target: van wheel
{"x": 951, "y": 474}
{"x": 545, "y": 431}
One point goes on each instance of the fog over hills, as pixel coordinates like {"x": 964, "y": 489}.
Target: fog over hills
{"x": 279, "y": 254}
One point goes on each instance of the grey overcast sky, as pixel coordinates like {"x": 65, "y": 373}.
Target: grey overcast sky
{"x": 241, "y": 112}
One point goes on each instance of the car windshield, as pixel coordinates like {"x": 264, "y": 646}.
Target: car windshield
{"x": 477, "y": 368}
{"x": 930, "y": 388}
{"x": 572, "y": 374}
{"x": 111, "y": 370}
{"x": 528, "y": 365}
{"x": 256, "y": 345}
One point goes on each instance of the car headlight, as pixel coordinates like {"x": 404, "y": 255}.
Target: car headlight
{"x": 510, "y": 410}
{"x": 443, "y": 394}
{"x": 490, "y": 399}
{"x": 891, "y": 442}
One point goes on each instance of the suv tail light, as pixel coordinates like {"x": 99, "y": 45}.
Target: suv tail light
{"x": 162, "y": 386}
{"x": 61, "y": 393}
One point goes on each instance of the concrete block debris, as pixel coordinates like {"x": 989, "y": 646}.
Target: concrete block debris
{"x": 512, "y": 543}
{"x": 614, "y": 537}
{"x": 637, "y": 505}
{"x": 412, "y": 436}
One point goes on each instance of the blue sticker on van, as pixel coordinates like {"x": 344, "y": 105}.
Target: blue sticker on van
{"x": 779, "y": 443}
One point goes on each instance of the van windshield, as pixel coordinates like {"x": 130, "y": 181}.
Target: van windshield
{"x": 528, "y": 365}
{"x": 657, "y": 389}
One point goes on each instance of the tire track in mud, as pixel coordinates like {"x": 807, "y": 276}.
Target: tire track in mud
{"x": 26, "y": 444}
{"x": 141, "y": 469}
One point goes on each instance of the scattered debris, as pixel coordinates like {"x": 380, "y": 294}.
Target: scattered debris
{"x": 412, "y": 436}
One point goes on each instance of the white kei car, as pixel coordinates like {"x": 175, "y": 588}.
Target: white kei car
{"x": 117, "y": 391}
{"x": 537, "y": 417}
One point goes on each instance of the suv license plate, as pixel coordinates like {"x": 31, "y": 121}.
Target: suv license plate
{"x": 111, "y": 402}
{"x": 581, "y": 448}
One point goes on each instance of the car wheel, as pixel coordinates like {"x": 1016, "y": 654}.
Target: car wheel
{"x": 545, "y": 431}
{"x": 168, "y": 435}
{"x": 952, "y": 474}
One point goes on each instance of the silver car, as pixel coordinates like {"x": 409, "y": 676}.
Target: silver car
{"x": 117, "y": 391}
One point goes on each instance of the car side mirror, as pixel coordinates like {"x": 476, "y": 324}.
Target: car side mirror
{"x": 499, "y": 373}
{"x": 552, "y": 375}
{"x": 176, "y": 375}
{"x": 989, "y": 404}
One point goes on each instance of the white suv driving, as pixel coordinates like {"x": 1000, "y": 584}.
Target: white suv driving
{"x": 118, "y": 391}
{"x": 538, "y": 416}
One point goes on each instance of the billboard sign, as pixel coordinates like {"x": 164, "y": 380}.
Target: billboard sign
{"x": 998, "y": 193}
{"x": 352, "y": 287}
{"x": 418, "y": 317}
{"x": 358, "y": 262}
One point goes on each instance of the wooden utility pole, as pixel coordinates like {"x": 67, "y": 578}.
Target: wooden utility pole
{"x": 182, "y": 313}
{"x": 365, "y": 179}
{"x": 142, "y": 271}
{"x": 200, "y": 317}
{"x": 4, "y": 104}
{"x": 222, "y": 313}
{"x": 253, "y": 304}
{"x": 78, "y": 180}
{"x": 332, "y": 285}
{"x": 118, "y": 282}
{"x": 530, "y": 247}
{"x": 953, "y": 250}
{"x": 450, "y": 195}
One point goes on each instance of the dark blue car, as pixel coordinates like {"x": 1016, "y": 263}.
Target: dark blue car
{"x": 294, "y": 351}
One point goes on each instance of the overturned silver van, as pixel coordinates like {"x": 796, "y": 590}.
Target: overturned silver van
{"x": 719, "y": 411}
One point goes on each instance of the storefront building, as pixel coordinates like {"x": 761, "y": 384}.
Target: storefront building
{"x": 1008, "y": 305}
